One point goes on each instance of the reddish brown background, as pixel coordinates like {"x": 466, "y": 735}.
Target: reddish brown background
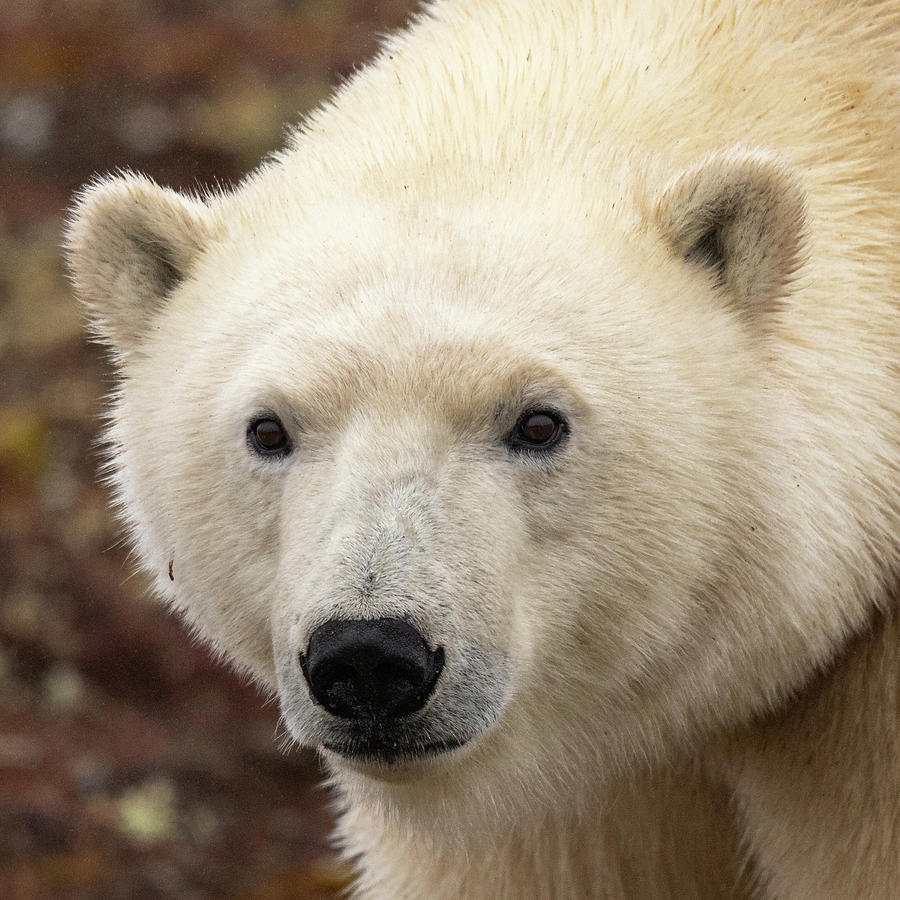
{"x": 131, "y": 764}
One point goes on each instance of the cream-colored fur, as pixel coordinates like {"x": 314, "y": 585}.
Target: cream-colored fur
{"x": 671, "y": 644}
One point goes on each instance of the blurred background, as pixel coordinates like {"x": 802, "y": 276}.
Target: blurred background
{"x": 132, "y": 765}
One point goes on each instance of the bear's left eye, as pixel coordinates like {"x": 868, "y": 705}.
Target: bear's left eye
{"x": 538, "y": 429}
{"x": 266, "y": 435}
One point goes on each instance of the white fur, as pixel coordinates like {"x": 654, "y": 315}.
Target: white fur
{"x": 672, "y": 646}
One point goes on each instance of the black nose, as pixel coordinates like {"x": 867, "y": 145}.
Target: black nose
{"x": 370, "y": 668}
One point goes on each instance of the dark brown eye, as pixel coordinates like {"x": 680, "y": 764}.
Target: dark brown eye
{"x": 538, "y": 430}
{"x": 268, "y": 437}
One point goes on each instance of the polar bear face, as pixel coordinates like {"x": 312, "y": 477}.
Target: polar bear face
{"x": 463, "y": 481}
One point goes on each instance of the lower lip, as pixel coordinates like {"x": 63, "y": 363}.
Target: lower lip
{"x": 393, "y": 756}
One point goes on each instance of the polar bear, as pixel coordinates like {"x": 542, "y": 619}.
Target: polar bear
{"x": 531, "y": 427}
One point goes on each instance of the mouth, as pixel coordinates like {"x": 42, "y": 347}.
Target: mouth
{"x": 390, "y": 752}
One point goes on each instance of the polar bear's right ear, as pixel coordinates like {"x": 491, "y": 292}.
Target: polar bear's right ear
{"x": 740, "y": 215}
{"x": 129, "y": 243}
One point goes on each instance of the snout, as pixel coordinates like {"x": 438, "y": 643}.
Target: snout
{"x": 370, "y": 670}
{"x": 377, "y": 695}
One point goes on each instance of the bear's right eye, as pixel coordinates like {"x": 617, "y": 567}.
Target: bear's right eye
{"x": 538, "y": 431}
{"x": 267, "y": 437}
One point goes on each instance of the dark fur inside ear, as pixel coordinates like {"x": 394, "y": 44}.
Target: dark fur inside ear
{"x": 130, "y": 244}
{"x": 740, "y": 215}
{"x": 167, "y": 271}
{"x": 709, "y": 252}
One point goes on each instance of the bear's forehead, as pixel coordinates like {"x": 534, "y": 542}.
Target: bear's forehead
{"x": 442, "y": 250}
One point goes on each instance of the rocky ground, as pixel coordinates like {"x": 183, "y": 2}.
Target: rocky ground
{"x": 131, "y": 763}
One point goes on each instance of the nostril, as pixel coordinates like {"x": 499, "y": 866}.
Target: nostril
{"x": 372, "y": 669}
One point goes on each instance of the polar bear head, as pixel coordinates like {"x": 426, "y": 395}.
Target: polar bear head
{"x": 482, "y": 489}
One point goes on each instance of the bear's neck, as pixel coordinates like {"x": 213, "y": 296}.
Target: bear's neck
{"x": 658, "y": 834}
{"x": 817, "y": 784}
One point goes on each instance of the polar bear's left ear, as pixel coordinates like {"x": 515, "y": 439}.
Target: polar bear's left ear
{"x": 129, "y": 244}
{"x": 740, "y": 214}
